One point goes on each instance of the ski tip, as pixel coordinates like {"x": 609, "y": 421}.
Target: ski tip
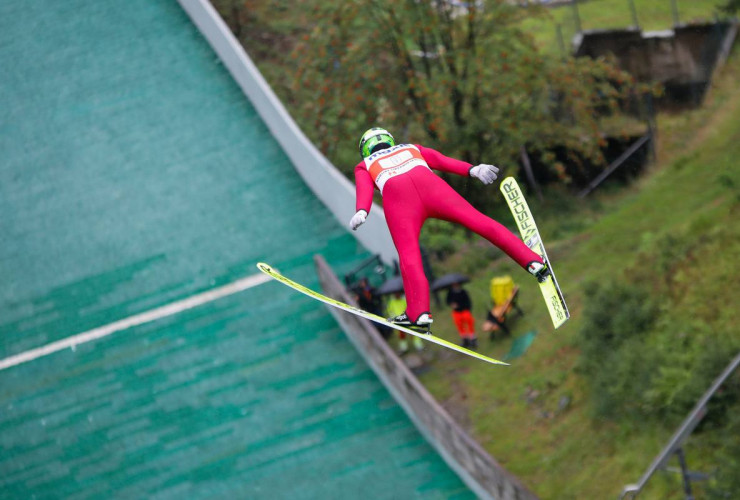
{"x": 507, "y": 181}
{"x": 268, "y": 269}
{"x": 561, "y": 323}
{"x": 265, "y": 268}
{"x": 490, "y": 360}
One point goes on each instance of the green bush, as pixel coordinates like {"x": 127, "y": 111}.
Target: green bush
{"x": 726, "y": 483}
{"x": 614, "y": 357}
{"x": 440, "y": 238}
{"x": 640, "y": 363}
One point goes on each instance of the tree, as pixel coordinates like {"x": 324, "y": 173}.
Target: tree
{"x": 465, "y": 79}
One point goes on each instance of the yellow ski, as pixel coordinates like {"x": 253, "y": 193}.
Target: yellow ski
{"x": 554, "y": 299}
{"x": 372, "y": 317}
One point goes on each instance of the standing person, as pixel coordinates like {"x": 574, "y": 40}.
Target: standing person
{"x": 459, "y": 300}
{"x": 368, "y": 300}
{"x": 411, "y": 194}
{"x": 396, "y": 306}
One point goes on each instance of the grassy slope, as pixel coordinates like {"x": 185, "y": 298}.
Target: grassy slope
{"x": 567, "y": 454}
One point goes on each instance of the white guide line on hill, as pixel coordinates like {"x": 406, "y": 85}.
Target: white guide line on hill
{"x": 136, "y": 320}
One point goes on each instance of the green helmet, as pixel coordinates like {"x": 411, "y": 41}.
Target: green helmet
{"x": 373, "y": 138}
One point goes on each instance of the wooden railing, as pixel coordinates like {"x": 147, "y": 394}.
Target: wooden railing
{"x": 483, "y": 475}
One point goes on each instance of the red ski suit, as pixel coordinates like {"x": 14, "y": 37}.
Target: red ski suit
{"x": 411, "y": 194}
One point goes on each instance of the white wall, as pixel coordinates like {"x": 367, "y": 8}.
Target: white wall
{"x": 329, "y": 185}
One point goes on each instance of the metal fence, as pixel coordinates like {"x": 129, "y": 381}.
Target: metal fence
{"x": 675, "y": 444}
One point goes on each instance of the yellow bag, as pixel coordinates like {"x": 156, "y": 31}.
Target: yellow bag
{"x": 501, "y": 288}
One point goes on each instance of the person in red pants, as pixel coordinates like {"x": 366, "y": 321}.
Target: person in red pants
{"x": 412, "y": 193}
{"x": 459, "y": 300}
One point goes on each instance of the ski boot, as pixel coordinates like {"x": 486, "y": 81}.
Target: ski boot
{"x": 422, "y": 324}
{"x": 470, "y": 343}
{"x": 539, "y": 270}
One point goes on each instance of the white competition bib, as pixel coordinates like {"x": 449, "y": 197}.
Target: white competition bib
{"x": 397, "y": 160}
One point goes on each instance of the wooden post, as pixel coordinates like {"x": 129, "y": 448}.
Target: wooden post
{"x": 685, "y": 475}
{"x": 576, "y": 16}
{"x": 561, "y": 42}
{"x": 528, "y": 171}
{"x": 635, "y": 22}
{"x": 674, "y": 11}
{"x": 614, "y": 165}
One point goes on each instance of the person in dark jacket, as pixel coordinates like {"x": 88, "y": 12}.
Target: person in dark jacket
{"x": 459, "y": 300}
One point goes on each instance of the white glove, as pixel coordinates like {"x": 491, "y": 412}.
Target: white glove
{"x": 486, "y": 173}
{"x": 358, "y": 219}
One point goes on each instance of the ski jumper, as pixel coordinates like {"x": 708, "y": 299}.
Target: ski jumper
{"x": 413, "y": 193}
